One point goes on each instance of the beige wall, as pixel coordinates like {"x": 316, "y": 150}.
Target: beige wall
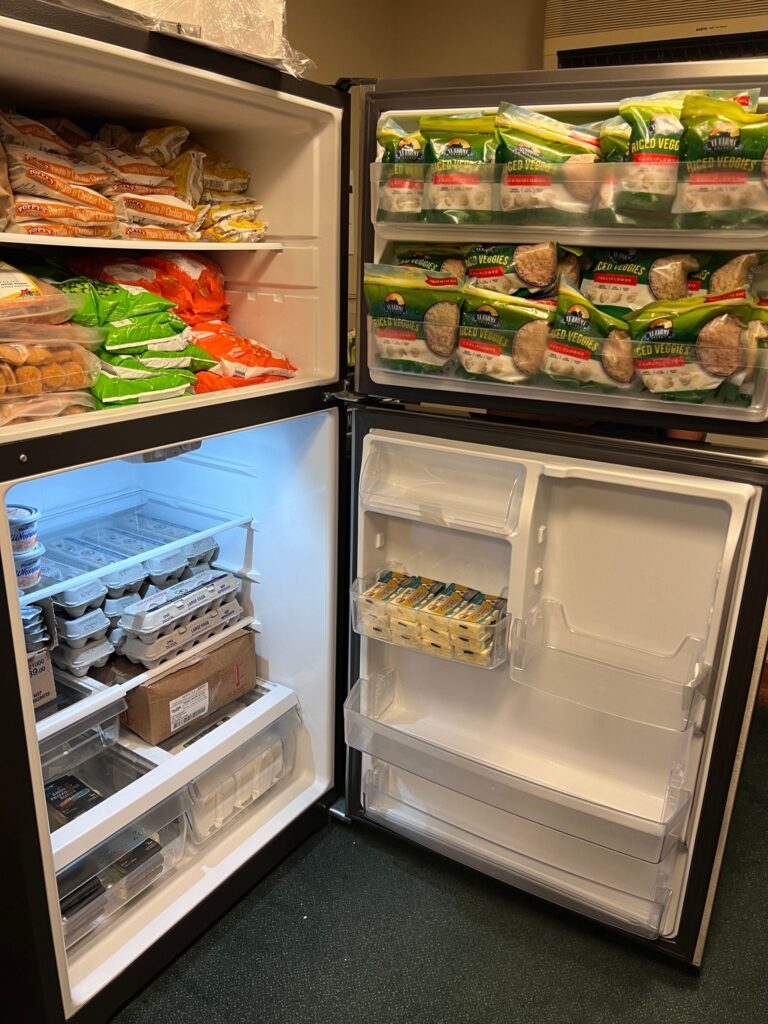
{"x": 404, "y": 38}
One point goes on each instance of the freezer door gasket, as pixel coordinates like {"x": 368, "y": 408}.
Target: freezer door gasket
{"x": 740, "y": 688}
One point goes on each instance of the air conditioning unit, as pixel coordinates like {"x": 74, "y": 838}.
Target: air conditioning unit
{"x": 603, "y": 32}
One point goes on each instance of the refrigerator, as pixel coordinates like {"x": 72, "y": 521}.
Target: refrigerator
{"x": 584, "y": 744}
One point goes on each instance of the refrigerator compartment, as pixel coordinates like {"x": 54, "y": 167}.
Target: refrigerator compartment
{"x": 241, "y": 778}
{"x": 480, "y": 644}
{"x": 63, "y": 751}
{"x": 618, "y": 784}
{"x": 105, "y": 879}
{"x": 91, "y": 782}
{"x": 156, "y": 531}
{"x": 604, "y": 885}
{"x": 76, "y": 633}
{"x": 664, "y": 690}
{"x": 68, "y": 693}
{"x": 397, "y": 192}
{"x": 200, "y": 627}
{"x": 81, "y": 660}
{"x": 468, "y": 488}
{"x": 160, "y": 613}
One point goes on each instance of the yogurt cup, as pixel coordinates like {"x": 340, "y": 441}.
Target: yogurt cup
{"x": 29, "y": 569}
{"x": 23, "y": 520}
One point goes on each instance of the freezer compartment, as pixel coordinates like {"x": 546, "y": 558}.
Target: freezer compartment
{"x": 222, "y": 793}
{"x": 450, "y": 486}
{"x": 661, "y": 689}
{"x": 105, "y": 879}
{"x": 613, "y": 782}
{"x": 483, "y": 644}
{"x": 607, "y": 886}
{"x": 63, "y": 751}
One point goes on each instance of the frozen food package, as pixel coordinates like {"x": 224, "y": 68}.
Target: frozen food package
{"x": 155, "y": 233}
{"x": 35, "y": 182}
{"x": 445, "y": 259}
{"x": 548, "y": 167}
{"x": 401, "y": 172}
{"x": 221, "y": 176}
{"x": 19, "y": 130}
{"x": 523, "y": 270}
{"x": 187, "y": 171}
{"x": 6, "y": 196}
{"x": 587, "y": 348}
{"x": 239, "y": 358}
{"x": 148, "y": 363}
{"x": 728, "y": 274}
{"x": 620, "y": 280}
{"x": 236, "y": 226}
{"x": 162, "y": 144}
{"x": 112, "y": 390}
{"x": 164, "y": 211}
{"x": 724, "y": 177}
{"x": 60, "y": 165}
{"x": 163, "y": 331}
{"x": 571, "y": 261}
{"x": 51, "y": 366}
{"x": 24, "y": 297}
{"x": 57, "y": 229}
{"x": 67, "y": 798}
{"x": 459, "y": 152}
{"x": 199, "y": 291}
{"x": 615, "y": 134}
{"x": 502, "y": 338}
{"x": 135, "y": 168}
{"x": 414, "y": 317}
{"x": 27, "y": 208}
{"x": 696, "y": 349}
{"x": 102, "y": 303}
{"x": 67, "y": 130}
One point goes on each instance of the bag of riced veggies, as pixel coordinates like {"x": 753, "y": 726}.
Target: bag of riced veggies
{"x": 728, "y": 274}
{"x": 548, "y": 173}
{"x": 414, "y": 317}
{"x": 501, "y": 337}
{"x": 401, "y": 174}
{"x": 587, "y": 347}
{"x": 724, "y": 179}
{"x": 687, "y": 350}
{"x": 620, "y": 280}
{"x": 445, "y": 259}
{"x": 523, "y": 270}
{"x": 460, "y": 150}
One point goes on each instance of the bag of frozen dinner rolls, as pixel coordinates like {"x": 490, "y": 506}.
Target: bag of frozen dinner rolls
{"x": 587, "y": 347}
{"x": 414, "y": 317}
{"x": 459, "y": 151}
{"x": 501, "y": 337}
{"x": 548, "y": 172}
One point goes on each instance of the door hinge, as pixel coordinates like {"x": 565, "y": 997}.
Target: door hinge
{"x": 343, "y": 397}
{"x": 339, "y": 811}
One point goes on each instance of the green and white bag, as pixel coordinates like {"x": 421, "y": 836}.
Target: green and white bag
{"x": 401, "y": 172}
{"x": 460, "y": 151}
{"x": 501, "y": 337}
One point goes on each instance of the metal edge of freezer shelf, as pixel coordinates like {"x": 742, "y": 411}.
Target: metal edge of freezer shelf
{"x": 582, "y": 85}
{"x": 739, "y": 701}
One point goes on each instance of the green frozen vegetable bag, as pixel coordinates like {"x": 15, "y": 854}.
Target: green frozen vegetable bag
{"x": 162, "y": 331}
{"x": 620, "y": 280}
{"x": 400, "y": 173}
{"x": 548, "y": 173}
{"x": 112, "y": 389}
{"x": 414, "y": 317}
{"x": 444, "y": 258}
{"x": 522, "y": 270}
{"x": 460, "y": 151}
{"x": 728, "y": 274}
{"x": 148, "y": 363}
{"x": 587, "y": 348}
{"x": 501, "y": 337}
{"x": 105, "y": 302}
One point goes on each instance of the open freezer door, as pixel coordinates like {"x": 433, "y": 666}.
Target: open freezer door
{"x": 422, "y": 205}
{"x": 556, "y": 654}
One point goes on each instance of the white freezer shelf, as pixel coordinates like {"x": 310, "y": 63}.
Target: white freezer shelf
{"x": 10, "y": 238}
{"x": 642, "y": 824}
{"x": 169, "y": 774}
{"x": 664, "y": 690}
{"x": 478, "y": 491}
{"x": 606, "y": 886}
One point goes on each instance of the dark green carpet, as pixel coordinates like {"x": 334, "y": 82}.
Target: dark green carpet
{"x": 360, "y": 928}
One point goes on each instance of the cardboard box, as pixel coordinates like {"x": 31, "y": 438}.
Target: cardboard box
{"x": 158, "y": 709}
{"x": 41, "y": 678}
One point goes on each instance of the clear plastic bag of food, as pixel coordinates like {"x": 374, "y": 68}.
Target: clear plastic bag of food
{"x": 37, "y": 368}
{"x": 17, "y": 409}
{"x": 24, "y": 297}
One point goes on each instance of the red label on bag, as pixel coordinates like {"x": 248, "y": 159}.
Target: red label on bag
{"x": 718, "y": 178}
{"x": 405, "y": 183}
{"x": 568, "y": 350}
{"x": 455, "y": 179}
{"x": 539, "y": 180}
{"x": 394, "y": 334}
{"x": 627, "y": 279}
{"x": 480, "y": 346}
{"x": 644, "y": 157}
{"x": 660, "y": 363}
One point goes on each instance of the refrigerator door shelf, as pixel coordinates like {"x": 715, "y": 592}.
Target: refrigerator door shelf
{"x": 640, "y": 814}
{"x": 664, "y": 690}
{"x": 411, "y": 202}
{"x": 481, "y": 644}
{"x": 61, "y": 751}
{"x": 122, "y": 867}
{"x": 448, "y": 486}
{"x": 606, "y": 886}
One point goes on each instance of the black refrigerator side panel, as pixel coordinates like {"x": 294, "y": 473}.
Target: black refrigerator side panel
{"x": 740, "y": 689}
{"x": 535, "y": 88}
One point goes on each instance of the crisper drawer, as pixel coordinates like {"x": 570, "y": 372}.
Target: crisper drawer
{"x": 64, "y": 750}
{"x": 108, "y": 877}
{"x": 512, "y": 770}
{"x": 245, "y": 775}
{"x": 607, "y": 886}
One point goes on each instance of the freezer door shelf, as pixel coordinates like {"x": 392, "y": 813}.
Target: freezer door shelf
{"x": 609, "y": 887}
{"x": 597, "y": 790}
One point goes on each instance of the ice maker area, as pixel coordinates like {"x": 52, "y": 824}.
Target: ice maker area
{"x": 571, "y": 766}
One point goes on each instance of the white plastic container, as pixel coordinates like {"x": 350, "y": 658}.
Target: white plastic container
{"x": 28, "y": 566}
{"x": 23, "y": 520}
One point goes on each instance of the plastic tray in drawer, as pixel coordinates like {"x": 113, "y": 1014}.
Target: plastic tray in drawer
{"x": 242, "y": 777}
{"x": 483, "y": 644}
{"x": 102, "y": 881}
{"x": 63, "y": 751}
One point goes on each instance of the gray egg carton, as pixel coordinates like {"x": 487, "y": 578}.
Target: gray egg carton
{"x": 165, "y": 611}
{"x": 161, "y": 532}
{"x": 73, "y": 601}
{"x": 169, "y": 645}
{"x": 80, "y": 661}
{"x": 78, "y": 632}
{"x": 159, "y": 568}
{"x": 88, "y": 557}
{"x": 115, "y": 606}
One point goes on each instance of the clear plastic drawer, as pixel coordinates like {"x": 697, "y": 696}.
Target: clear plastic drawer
{"x": 64, "y": 750}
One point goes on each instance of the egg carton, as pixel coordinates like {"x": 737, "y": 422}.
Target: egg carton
{"x": 72, "y": 601}
{"x": 169, "y": 645}
{"x": 89, "y": 557}
{"x": 78, "y": 632}
{"x": 165, "y": 611}
{"x": 159, "y": 568}
{"x": 115, "y": 606}
{"x": 161, "y": 532}
{"x": 80, "y": 661}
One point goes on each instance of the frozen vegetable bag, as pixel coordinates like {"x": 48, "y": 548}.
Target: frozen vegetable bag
{"x": 548, "y": 173}
{"x": 414, "y": 317}
{"x": 502, "y": 337}
{"x": 460, "y": 152}
{"x": 401, "y": 173}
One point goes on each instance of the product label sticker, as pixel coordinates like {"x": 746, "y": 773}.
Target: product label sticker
{"x": 188, "y": 707}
